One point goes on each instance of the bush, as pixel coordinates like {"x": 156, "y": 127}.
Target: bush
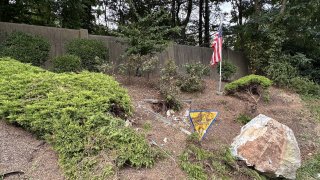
{"x": 192, "y": 81}
{"x": 76, "y": 113}
{"x": 197, "y": 69}
{"x": 26, "y": 48}
{"x": 251, "y": 85}
{"x": 247, "y": 82}
{"x": 67, "y": 63}
{"x": 139, "y": 65}
{"x": 168, "y": 86}
{"x": 228, "y": 70}
{"x": 304, "y": 86}
{"x": 92, "y": 53}
{"x": 281, "y": 72}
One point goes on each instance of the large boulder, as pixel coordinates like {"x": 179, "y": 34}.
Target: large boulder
{"x": 269, "y": 146}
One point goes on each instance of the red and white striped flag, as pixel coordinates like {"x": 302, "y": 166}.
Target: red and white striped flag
{"x": 217, "y": 48}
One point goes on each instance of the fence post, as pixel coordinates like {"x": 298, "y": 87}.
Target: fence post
{"x": 83, "y": 34}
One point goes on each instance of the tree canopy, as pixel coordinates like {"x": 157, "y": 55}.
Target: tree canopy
{"x": 268, "y": 32}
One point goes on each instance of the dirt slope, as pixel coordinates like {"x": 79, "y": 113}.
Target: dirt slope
{"x": 23, "y": 156}
{"x": 20, "y": 151}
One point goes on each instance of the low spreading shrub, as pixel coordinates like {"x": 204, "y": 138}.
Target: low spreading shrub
{"x": 168, "y": 86}
{"x": 251, "y": 85}
{"x": 304, "y": 86}
{"x": 228, "y": 70}
{"x": 25, "y": 48}
{"x": 67, "y": 63}
{"x": 78, "y": 114}
{"x": 93, "y": 53}
{"x": 250, "y": 81}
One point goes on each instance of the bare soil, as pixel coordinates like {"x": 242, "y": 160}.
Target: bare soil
{"x": 20, "y": 151}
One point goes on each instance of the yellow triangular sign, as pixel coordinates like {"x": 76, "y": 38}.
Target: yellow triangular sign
{"x": 202, "y": 120}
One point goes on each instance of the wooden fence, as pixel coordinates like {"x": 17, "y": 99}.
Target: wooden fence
{"x": 182, "y": 54}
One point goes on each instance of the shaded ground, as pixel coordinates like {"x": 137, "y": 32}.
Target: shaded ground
{"x": 22, "y": 156}
{"x": 20, "y": 151}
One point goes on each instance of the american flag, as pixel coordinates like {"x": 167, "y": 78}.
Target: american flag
{"x": 217, "y": 48}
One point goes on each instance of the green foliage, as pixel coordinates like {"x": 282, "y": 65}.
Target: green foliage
{"x": 243, "y": 118}
{"x": 147, "y": 126}
{"x": 199, "y": 163}
{"x": 26, "y": 48}
{"x": 228, "y": 70}
{"x": 168, "y": 85}
{"x": 92, "y": 53}
{"x": 76, "y": 113}
{"x": 67, "y": 63}
{"x": 192, "y": 81}
{"x": 248, "y": 81}
{"x": 149, "y": 34}
{"x": 197, "y": 69}
{"x": 281, "y": 73}
{"x": 194, "y": 170}
{"x": 310, "y": 169}
{"x": 138, "y": 65}
{"x": 304, "y": 86}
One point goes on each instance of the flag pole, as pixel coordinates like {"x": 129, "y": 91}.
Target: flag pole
{"x": 220, "y": 78}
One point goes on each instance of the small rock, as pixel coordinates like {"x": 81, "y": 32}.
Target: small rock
{"x": 310, "y": 154}
{"x": 127, "y": 123}
{"x": 165, "y": 140}
{"x": 170, "y": 112}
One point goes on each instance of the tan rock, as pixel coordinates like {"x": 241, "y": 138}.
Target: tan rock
{"x": 269, "y": 146}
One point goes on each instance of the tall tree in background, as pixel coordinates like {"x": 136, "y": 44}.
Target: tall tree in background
{"x": 206, "y": 24}
{"x": 200, "y": 22}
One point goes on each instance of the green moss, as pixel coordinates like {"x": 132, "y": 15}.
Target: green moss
{"x": 77, "y": 113}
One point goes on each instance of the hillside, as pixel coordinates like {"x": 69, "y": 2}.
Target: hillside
{"x": 284, "y": 106}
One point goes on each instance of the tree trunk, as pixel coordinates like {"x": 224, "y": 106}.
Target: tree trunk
{"x": 240, "y": 10}
{"x": 200, "y": 22}
{"x": 283, "y": 6}
{"x": 257, "y": 6}
{"x": 206, "y": 25}
{"x": 173, "y": 13}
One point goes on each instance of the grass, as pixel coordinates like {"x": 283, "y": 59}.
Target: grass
{"x": 200, "y": 163}
{"x": 147, "y": 126}
{"x": 243, "y": 118}
{"x": 311, "y": 168}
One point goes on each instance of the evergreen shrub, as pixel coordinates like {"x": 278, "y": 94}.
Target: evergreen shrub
{"x": 192, "y": 81}
{"x": 26, "y": 48}
{"x": 228, "y": 70}
{"x": 79, "y": 114}
{"x": 248, "y": 82}
{"x": 67, "y": 63}
{"x": 93, "y": 53}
